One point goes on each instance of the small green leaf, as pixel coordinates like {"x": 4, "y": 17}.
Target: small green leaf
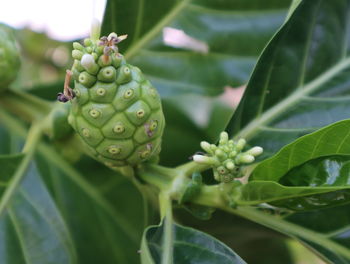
{"x": 331, "y": 140}
{"x": 296, "y": 197}
{"x": 309, "y": 173}
{"x": 188, "y": 246}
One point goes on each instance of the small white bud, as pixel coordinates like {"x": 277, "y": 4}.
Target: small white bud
{"x": 203, "y": 159}
{"x": 256, "y": 151}
{"x": 87, "y": 61}
{"x": 95, "y": 29}
{"x": 246, "y": 158}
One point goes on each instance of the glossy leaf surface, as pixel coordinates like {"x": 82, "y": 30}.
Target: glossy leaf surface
{"x": 309, "y": 173}
{"x": 188, "y": 246}
{"x": 300, "y": 82}
{"x": 32, "y": 229}
{"x": 103, "y": 210}
{"x": 331, "y": 140}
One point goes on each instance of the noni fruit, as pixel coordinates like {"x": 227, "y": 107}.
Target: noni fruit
{"x": 9, "y": 57}
{"x": 114, "y": 109}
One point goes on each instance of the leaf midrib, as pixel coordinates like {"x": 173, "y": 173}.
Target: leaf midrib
{"x": 252, "y": 128}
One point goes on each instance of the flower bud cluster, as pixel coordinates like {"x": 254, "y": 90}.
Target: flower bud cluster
{"x": 227, "y": 157}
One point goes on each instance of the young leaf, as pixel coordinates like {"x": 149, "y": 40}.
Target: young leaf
{"x": 300, "y": 81}
{"x": 188, "y": 246}
{"x": 309, "y": 173}
{"x": 331, "y": 140}
{"x": 31, "y": 228}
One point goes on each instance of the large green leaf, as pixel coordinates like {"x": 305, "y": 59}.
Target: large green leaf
{"x": 242, "y": 236}
{"x": 300, "y": 82}
{"x": 187, "y": 246}
{"x": 103, "y": 212}
{"x": 246, "y": 27}
{"x": 31, "y": 228}
{"x": 105, "y": 216}
{"x": 299, "y": 85}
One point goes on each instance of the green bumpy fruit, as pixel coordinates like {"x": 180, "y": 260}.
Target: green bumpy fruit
{"x": 9, "y": 57}
{"x": 115, "y": 111}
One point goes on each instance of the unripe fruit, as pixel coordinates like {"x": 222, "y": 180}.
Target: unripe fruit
{"x": 9, "y": 57}
{"x": 115, "y": 110}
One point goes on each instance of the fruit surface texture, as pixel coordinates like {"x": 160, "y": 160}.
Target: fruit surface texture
{"x": 115, "y": 110}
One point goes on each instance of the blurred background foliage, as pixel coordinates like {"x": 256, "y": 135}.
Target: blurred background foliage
{"x": 191, "y": 117}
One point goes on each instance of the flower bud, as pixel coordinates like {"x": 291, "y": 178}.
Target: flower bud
{"x": 255, "y": 151}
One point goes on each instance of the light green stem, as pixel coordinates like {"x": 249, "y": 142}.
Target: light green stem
{"x": 167, "y": 217}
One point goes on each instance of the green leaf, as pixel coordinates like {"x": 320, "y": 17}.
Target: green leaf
{"x": 242, "y": 235}
{"x": 309, "y": 173}
{"x": 31, "y": 228}
{"x": 333, "y": 225}
{"x": 295, "y": 198}
{"x": 331, "y": 140}
{"x": 103, "y": 211}
{"x": 203, "y": 68}
{"x": 188, "y": 246}
{"x": 324, "y": 231}
{"x": 300, "y": 81}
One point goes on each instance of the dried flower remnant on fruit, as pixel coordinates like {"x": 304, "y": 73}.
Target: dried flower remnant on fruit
{"x": 114, "y": 109}
{"x": 227, "y": 157}
{"x": 68, "y": 93}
